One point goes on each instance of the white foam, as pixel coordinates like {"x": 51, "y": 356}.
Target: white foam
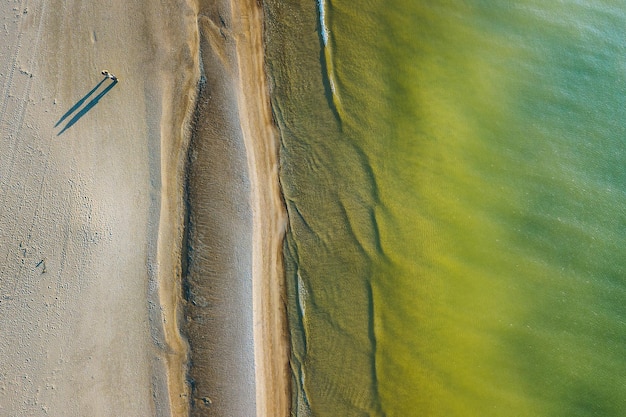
{"x": 322, "y": 10}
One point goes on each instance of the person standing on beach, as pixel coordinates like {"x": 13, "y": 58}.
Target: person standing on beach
{"x": 107, "y": 74}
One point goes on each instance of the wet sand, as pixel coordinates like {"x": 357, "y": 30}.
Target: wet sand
{"x": 93, "y": 245}
{"x": 234, "y": 282}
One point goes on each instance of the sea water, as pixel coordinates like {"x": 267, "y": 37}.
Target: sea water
{"x": 455, "y": 177}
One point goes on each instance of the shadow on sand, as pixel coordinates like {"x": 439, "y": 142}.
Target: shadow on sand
{"x": 85, "y": 109}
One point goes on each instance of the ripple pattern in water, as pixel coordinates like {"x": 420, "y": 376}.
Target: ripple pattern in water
{"x": 458, "y": 225}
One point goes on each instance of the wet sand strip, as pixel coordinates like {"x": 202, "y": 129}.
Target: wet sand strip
{"x": 234, "y": 315}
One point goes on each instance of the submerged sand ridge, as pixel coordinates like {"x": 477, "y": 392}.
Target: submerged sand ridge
{"x": 92, "y": 217}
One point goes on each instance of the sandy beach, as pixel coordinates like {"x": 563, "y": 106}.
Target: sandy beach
{"x": 111, "y": 264}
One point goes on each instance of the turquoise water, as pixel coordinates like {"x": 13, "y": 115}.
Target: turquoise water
{"x": 456, "y": 184}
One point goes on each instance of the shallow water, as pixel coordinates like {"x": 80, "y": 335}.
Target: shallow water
{"x": 455, "y": 179}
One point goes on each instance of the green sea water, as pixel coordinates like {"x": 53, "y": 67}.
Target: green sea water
{"x": 455, "y": 177}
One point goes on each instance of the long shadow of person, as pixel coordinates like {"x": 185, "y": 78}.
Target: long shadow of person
{"x": 79, "y": 103}
{"x": 85, "y": 109}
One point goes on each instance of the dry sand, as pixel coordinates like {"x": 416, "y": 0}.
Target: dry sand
{"x": 92, "y": 215}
